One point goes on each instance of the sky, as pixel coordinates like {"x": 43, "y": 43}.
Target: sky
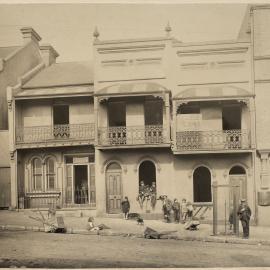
{"x": 69, "y": 27}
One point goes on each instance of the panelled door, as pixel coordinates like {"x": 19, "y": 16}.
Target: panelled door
{"x": 238, "y": 180}
{"x": 114, "y": 188}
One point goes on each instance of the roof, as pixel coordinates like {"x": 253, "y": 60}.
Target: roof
{"x": 63, "y": 74}
{"x": 6, "y": 51}
{"x": 4, "y": 149}
{"x": 83, "y": 90}
{"x": 131, "y": 88}
{"x": 212, "y": 92}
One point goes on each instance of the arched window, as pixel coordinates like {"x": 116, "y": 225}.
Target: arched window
{"x": 237, "y": 170}
{"x": 202, "y": 185}
{"x": 50, "y": 174}
{"x": 147, "y": 173}
{"x": 37, "y": 174}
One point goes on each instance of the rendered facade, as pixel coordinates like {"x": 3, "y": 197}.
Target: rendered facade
{"x": 181, "y": 115}
{"x": 17, "y": 64}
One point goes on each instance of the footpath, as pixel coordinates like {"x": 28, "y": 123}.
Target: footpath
{"x": 20, "y": 221}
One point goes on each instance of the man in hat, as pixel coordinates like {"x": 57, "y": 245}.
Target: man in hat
{"x": 244, "y": 214}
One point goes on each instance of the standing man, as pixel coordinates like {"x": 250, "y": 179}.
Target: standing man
{"x": 244, "y": 214}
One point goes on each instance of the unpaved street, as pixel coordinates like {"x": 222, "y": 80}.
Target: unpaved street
{"x": 33, "y": 249}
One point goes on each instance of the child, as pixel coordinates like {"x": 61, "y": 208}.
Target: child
{"x": 184, "y": 210}
{"x": 176, "y": 210}
{"x": 125, "y": 207}
{"x": 231, "y": 219}
{"x": 189, "y": 211}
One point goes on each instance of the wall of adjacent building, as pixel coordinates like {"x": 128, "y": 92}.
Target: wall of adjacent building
{"x": 23, "y": 61}
{"x": 261, "y": 41}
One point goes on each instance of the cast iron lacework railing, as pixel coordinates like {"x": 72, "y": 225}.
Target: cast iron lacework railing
{"x": 212, "y": 140}
{"x": 42, "y": 134}
{"x": 132, "y": 135}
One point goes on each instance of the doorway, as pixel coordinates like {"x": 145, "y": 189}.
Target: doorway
{"x": 237, "y": 177}
{"x": 153, "y": 120}
{"x": 202, "y": 185}
{"x": 117, "y": 122}
{"x": 80, "y": 184}
{"x": 114, "y": 188}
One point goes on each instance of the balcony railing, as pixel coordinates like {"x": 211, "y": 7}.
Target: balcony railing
{"x": 212, "y": 140}
{"x": 45, "y": 134}
{"x": 133, "y": 135}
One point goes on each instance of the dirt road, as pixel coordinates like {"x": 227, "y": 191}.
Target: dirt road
{"x": 33, "y": 249}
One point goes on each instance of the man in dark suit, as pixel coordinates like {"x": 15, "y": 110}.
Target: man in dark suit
{"x": 244, "y": 214}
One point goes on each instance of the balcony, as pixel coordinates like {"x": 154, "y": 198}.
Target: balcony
{"x": 155, "y": 135}
{"x": 228, "y": 140}
{"x": 55, "y": 135}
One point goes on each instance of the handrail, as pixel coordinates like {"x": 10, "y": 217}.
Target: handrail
{"x": 132, "y": 135}
{"x": 40, "y": 134}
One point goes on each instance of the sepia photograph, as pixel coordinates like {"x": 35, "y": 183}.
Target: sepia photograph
{"x": 134, "y": 134}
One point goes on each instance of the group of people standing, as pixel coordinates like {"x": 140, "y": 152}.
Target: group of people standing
{"x": 181, "y": 212}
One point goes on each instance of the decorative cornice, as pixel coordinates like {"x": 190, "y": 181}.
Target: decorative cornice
{"x": 212, "y": 51}
{"x": 131, "y": 49}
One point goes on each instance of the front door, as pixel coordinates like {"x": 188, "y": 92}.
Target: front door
{"x": 240, "y": 181}
{"x": 114, "y": 190}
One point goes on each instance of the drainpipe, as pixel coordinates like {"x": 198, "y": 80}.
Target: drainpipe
{"x": 253, "y": 111}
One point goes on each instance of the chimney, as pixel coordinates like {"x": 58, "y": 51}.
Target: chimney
{"x": 29, "y": 34}
{"x": 49, "y": 54}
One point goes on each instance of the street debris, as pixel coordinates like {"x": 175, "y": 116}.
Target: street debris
{"x": 51, "y": 223}
{"x": 150, "y": 233}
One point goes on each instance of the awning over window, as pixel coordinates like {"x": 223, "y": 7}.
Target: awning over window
{"x": 55, "y": 92}
{"x": 131, "y": 88}
{"x": 211, "y": 92}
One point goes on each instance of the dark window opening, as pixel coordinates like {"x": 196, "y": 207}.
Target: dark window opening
{"x": 231, "y": 118}
{"x": 153, "y": 112}
{"x": 147, "y": 173}
{"x": 117, "y": 114}
{"x": 61, "y": 121}
{"x": 202, "y": 185}
{"x": 186, "y": 109}
{"x": 61, "y": 115}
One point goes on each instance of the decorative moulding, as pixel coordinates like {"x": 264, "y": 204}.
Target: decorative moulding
{"x": 246, "y": 168}
{"x": 147, "y": 158}
{"x": 203, "y": 164}
{"x": 107, "y": 162}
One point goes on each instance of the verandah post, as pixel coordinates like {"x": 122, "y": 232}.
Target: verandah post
{"x": 215, "y": 219}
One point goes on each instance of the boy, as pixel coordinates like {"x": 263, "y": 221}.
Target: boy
{"x": 184, "y": 210}
{"x": 176, "y": 210}
{"x": 125, "y": 207}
